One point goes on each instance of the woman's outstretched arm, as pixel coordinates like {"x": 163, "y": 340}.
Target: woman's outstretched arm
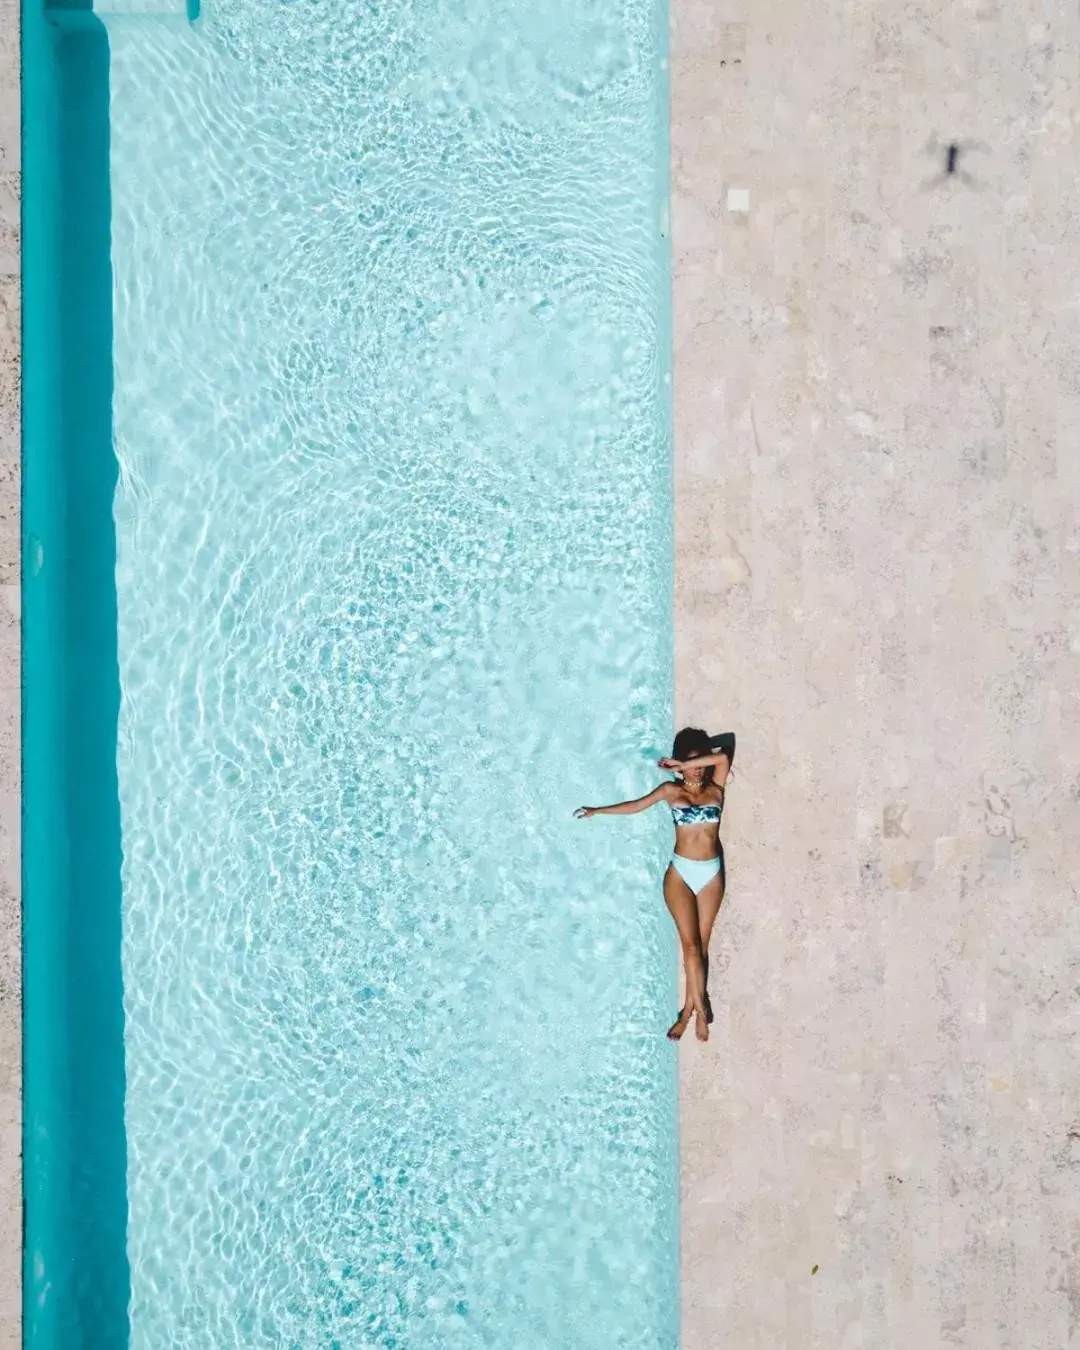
{"x": 658, "y": 794}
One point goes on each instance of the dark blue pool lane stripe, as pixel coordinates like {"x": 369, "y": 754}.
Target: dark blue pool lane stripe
{"x": 76, "y": 1287}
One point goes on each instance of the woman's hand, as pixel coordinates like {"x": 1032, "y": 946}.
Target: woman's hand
{"x": 585, "y": 812}
{"x": 674, "y": 765}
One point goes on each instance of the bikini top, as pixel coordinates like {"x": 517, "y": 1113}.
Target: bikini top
{"x": 697, "y": 815}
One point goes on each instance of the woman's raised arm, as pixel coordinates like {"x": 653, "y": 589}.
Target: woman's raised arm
{"x": 718, "y": 761}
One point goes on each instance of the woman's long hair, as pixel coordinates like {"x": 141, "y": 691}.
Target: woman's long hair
{"x": 693, "y": 741}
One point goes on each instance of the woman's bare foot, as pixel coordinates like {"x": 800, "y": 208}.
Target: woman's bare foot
{"x": 701, "y": 1025}
{"x": 677, "y": 1027}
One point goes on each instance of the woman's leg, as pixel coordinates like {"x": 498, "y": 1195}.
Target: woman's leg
{"x": 680, "y": 901}
{"x": 709, "y": 900}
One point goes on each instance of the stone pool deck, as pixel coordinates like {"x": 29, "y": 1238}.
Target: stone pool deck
{"x": 10, "y": 915}
{"x": 877, "y": 422}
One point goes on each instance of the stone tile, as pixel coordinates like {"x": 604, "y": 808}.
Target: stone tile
{"x": 10, "y": 519}
{"x": 10, "y": 367}
{"x": 9, "y": 619}
{"x": 10, "y": 246}
{"x": 10, "y": 156}
{"x": 10, "y": 1171}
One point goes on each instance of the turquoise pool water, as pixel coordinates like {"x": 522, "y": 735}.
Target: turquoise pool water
{"x": 387, "y": 312}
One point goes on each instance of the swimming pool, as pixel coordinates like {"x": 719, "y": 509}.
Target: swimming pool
{"x": 348, "y": 577}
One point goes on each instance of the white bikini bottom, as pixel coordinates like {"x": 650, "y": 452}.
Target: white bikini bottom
{"x": 696, "y": 872}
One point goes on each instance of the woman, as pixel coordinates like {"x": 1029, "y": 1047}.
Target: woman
{"x": 694, "y": 880}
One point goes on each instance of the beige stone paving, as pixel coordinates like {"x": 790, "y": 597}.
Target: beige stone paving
{"x": 10, "y": 905}
{"x": 877, "y": 419}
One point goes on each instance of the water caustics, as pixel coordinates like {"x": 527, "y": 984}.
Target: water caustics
{"x": 393, "y": 578}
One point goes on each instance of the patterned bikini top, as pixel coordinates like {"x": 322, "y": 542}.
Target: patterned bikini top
{"x": 697, "y": 815}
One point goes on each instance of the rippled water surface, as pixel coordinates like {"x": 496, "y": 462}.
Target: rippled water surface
{"x": 393, "y": 534}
